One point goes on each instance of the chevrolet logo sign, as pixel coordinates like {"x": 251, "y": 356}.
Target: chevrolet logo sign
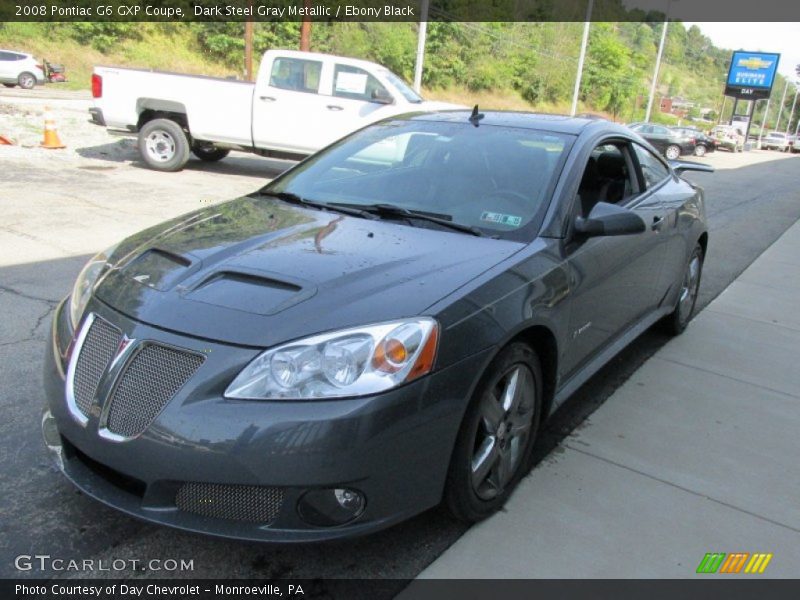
{"x": 754, "y": 63}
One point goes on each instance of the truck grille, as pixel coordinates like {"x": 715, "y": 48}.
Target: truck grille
{"x": 149, "y": 380}
{"x": 251, "y": 503}
{"x": 98, "y": 349}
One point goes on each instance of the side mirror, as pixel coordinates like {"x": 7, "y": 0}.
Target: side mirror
{"x": 381, "y": 96}
{"x": 609, "y": 219}
{"x": 679, "y": 166}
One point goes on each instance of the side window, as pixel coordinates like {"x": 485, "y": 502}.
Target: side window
{"x": 296, "y": 74}
{"x": 653, "y": 170}
{"x": 606, "y": 178}
{"x": 6, "y": 56}
{"x": 660, "y": 130}
{"x": 354, "y": 83}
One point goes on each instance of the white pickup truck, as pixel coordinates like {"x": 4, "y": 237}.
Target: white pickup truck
{"x": 300, "y": 103}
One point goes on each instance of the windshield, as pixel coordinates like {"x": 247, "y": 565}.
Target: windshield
{"x": 497, "y": 180}
{"x": 402, "y": 87}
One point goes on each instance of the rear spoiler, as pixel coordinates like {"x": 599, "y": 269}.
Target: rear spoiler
{"x": 679, "y": 166}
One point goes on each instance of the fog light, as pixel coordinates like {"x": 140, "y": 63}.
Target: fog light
{"x": 331, "y": 507}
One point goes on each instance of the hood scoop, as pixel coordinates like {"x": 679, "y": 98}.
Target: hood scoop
{"x": 253, "y": 292}
{"x": 158, "y": 269}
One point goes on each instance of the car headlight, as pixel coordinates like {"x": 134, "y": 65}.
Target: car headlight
{"x": 82, "y": 290}
{"x": 351, "y": 362}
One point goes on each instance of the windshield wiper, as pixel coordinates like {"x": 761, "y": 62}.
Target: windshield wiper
{"x": 392, "y": 210}
{"x": 297, "y": 199}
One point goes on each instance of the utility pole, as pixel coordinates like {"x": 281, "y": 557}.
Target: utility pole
{"x": 658, "y": 66}
{"x": 305, "y": 28}
{"x": 791, "y": 114}
{"x": 780, "y": 110}
{"x": 248, "y": 50}
{"x": 763, "y": 122}
{"x": 582, "y": 57}
{"x": 423, "y": 33}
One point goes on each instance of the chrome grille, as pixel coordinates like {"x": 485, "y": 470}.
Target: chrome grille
{"x": 149, "y": 380}
{"x": 99, "y": 346}
{"x": 252, "y": 503}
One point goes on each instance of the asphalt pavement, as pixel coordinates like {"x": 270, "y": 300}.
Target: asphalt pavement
{"x": 57, "y": 212}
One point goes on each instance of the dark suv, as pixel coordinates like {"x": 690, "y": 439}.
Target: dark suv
{"x": 672, "y": 144}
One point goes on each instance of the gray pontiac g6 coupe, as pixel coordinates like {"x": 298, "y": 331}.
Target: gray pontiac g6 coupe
{"x": 382, "y": 328}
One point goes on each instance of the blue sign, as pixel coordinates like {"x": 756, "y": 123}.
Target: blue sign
{"x": 752, "y": 74}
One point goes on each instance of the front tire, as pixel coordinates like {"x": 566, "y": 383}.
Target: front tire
{"x": 493, "y": 449}
{"x": 675, "y": 323}
{"x": 163, "y": 145}
{"x": 672, "y": 152}
{"x": 209, "y": 152}
{"x": 26, "y": 81}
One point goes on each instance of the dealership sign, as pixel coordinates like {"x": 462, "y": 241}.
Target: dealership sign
{"x": 751, "y": 75}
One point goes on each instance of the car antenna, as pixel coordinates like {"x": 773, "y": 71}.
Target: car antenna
{"x": 475, "y": 117}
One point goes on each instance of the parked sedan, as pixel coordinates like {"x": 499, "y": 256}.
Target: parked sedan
{"x": 775, "y": 140}
{"x": 18, "y": 68}
{"x": 703, "y": 143}
{"x": 384, "y": 327}
{"x": 672, "y": 144}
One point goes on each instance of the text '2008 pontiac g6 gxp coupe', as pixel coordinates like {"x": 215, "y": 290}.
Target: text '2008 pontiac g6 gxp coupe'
{"x": 383, "y": 327}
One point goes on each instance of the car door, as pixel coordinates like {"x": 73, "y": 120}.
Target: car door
{"x": 674, "y": 195}
{"x": 289, "y": 112}
{"x": 357, "y": 99}
{"x": 612, "y": 278}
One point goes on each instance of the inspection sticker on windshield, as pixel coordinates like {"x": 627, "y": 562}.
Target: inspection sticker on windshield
{"x": 501, "y": 219}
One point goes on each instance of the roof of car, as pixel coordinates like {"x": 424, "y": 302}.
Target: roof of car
{"x": 523, "y": 120}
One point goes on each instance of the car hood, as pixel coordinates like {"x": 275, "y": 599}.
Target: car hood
{"x": 257, "y": 271}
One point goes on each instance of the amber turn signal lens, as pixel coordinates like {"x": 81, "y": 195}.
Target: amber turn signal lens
{"x": 390, "y": 356}
{"x": 424, "y": 364}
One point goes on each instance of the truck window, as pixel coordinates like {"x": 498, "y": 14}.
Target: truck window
{"x": 296, "y": 74}
{"x": 354, "y": 83}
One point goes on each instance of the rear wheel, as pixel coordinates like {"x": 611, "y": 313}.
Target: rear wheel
{"x": 26, "y": 81}
{"x": 672, "y": 152}
{"x": 209, "y": 152}
{"x": 163, "y": 145}
{"x": 700, "y": 150}
{"x": 677, "y": 320}
{"x": 493, "y": 448}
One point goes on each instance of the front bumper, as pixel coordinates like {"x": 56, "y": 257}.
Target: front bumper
{"x": 394, "y": 447}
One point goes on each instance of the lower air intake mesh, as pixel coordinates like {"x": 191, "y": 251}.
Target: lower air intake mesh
{"x": 252, "y": 503}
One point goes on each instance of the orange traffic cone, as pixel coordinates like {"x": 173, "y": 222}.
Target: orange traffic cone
{"x": 51, "y": 139}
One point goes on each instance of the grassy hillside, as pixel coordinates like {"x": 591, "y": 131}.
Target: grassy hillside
{"x": 173, "y": 49}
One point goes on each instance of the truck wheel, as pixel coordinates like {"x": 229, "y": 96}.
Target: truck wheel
{"x": 163, "y": 145}
{"x": 26, "y": 80}
{"x": 209, "y": 152}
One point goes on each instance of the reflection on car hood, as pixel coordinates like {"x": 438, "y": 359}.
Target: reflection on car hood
{"x": 258, "y": 271}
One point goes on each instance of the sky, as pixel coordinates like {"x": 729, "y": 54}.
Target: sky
{"x": 783, "y": 38}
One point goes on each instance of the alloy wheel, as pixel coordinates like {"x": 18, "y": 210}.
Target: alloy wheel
{"x": 673, "y": 152}
{"x": 507, "y": 412}
{"x": 691, "y": 284}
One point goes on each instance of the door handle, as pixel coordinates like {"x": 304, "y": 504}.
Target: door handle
{"x": 658, "y": 221}
{"x": 334, "y": 107}
{"x": 267, "y": 98}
